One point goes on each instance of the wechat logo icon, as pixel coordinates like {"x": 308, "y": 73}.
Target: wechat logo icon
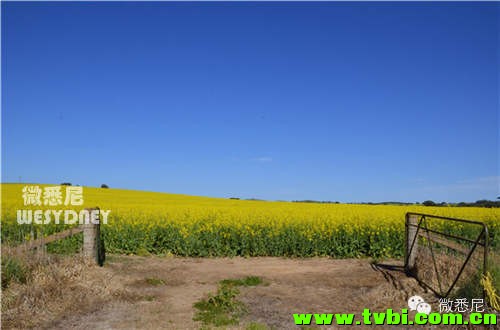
{"x": 417, "y": 303}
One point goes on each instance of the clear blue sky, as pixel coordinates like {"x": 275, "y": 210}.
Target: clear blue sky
{"x": 330, "y": 101}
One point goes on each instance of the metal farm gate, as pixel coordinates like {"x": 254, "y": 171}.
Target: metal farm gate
{"x": 445, "y": 254}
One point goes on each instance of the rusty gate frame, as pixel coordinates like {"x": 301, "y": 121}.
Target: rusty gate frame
{"x": 481, "y": 240}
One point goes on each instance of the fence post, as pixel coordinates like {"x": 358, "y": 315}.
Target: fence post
{"x": 93, "y": 246}
{"x": 411, "y": 246}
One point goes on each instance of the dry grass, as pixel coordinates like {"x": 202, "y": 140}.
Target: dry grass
{"x": 56, "y": 287}
{"x": 448, "y": 266}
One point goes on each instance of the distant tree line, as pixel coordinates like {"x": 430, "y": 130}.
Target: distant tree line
{"x": 479, "y": 203}
{"x": 69, "y": 184}
{"x": 313, "y": 201}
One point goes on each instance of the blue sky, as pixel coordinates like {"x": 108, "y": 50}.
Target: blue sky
{"x": 339, "y": 101}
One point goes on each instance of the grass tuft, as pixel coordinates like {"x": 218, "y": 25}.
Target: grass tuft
{"x": 13, "y": 270}
{"x": 257, "y": 326}
{"x": 247, "y": 281}
{"x": 155, "y": 281}
{"x": 223, "y": 309}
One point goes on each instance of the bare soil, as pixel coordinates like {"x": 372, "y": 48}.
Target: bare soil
{"x": 315, "y": 285}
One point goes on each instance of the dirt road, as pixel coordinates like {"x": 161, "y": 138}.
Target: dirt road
{"x": 163, "y": 290}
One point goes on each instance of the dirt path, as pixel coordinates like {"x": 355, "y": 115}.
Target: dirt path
{"x": 318, "y": 285}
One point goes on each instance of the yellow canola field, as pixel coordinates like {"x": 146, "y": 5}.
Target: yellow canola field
{"x": 200, "y": 226}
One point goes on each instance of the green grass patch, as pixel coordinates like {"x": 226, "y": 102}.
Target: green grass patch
{"x": 247, "y": 281}
{"x": 223, "y": 308}
{"x": 149, "y": 298}
{"x": 256, "y": 326}
{"x": 155, "y": 281}
{"x": 13, "y": 270}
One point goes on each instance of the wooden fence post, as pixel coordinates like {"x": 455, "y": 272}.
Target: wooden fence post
{"x": 411, "y": 246}
{"x": 93, "y": 246}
